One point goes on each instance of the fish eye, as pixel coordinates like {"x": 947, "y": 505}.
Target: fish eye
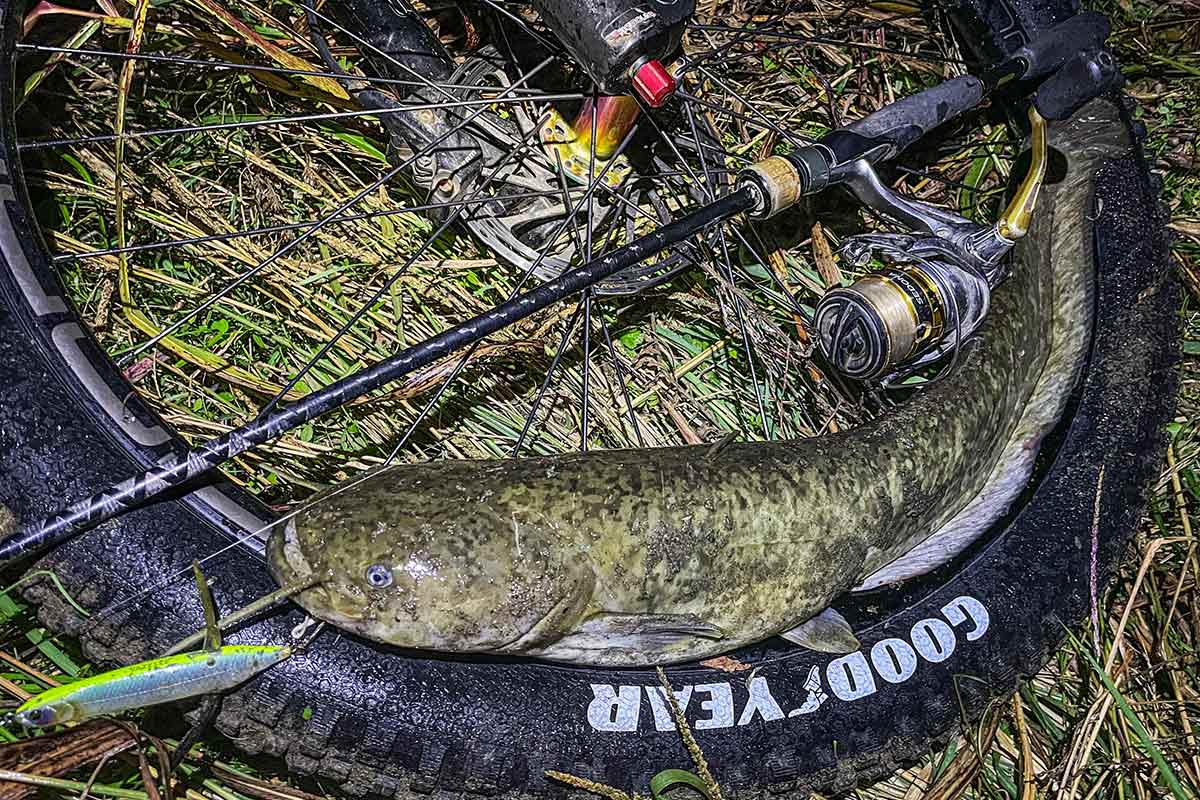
{"x": 379, "y": 576}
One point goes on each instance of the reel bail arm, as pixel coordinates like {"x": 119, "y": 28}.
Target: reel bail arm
{"x": 935, "y": 287}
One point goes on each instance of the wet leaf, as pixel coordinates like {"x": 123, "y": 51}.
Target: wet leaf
{"x": 980, "y": 169}
{"x": 831, "y": 276}
{"x": 274, "y": 52}
{"x": 725, "y": 664}
{"x": 672, "y": 778}
{"x": 53, "y": 652}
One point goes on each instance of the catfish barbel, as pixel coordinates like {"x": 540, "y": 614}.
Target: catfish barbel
{"x": 653, "y": 556}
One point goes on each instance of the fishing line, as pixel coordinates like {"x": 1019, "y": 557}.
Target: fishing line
{"x": 349, "y": 484}
{"x": 117, "y": 605}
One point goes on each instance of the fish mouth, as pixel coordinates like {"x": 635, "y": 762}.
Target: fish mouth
{"x": 287, "y": 554}
{"x": 332, "y": 607}
{"x": 289, "y": 565}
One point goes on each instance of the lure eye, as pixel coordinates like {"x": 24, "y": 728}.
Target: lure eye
{"x": 36, "y": 717}
{"x": 379, "y": 576}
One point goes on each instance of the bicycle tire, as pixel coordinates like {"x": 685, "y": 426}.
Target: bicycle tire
{"x": 377, "y": 722}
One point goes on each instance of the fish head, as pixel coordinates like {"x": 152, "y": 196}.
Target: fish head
{"x": 404, "y": 580}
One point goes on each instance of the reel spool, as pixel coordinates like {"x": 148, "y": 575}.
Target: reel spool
{"x": 917, "y": 308}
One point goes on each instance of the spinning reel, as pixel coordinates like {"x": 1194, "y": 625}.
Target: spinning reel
{"x": 935, "y": 286}
{"x": 935, "y": 289}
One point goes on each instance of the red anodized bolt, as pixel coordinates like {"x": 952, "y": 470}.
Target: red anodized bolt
{"x": 653, "y": 83}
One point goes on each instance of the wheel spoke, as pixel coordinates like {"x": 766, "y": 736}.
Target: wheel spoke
{"x": 391, "y": 281}
{"x": 837, "y": 35}
{"x": 529, "y": 271}
{"x": 234, "y": 66}
{"x": 796, "y": 38}
{"x": 729, "y": 112}
{"x": 793, "y": 303}
{"x": 291, "y": 226}
{"x": 553, "y": 47}
{"x": 585, "y": 390}
{"x": 747, "y": 345}
{"x": 226, "y": 290}
{"x": 730, "y": 306}
{"x": 765, "y": 120}
{"x": 619, "y": 368}
{"x": 481, "y": 104}
{"x": 307, "y": 234}
{"x": 558, "y": 354}
{"x": 587, "y": 358}
{"x": 311, "y": 12}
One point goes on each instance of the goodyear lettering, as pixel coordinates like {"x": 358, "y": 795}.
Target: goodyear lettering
{"x": 964, "y": 609}
{"x": 663, "y": 719}
{"x": 741, "y": 702}
{"x": 934, "y": 640}
{"x": 717, "y": 707}
{"x": 850, "y": 677}
{"x": 615, "y": 708}
{"x": 894, "y": 659}
{"x": 761, "y": 703}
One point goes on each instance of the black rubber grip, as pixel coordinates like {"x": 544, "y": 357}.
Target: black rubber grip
{"x": 905, "y": 121}
{"x": 1085, "y": 76}
{"x": 1082, "y": 32}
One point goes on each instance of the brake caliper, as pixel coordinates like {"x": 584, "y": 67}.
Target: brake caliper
{"x": 621, "y": 43}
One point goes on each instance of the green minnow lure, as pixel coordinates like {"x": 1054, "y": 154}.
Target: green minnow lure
{"x": 160, "y": 680}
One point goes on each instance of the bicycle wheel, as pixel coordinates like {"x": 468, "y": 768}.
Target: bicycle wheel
{"x": 382, "y": 721}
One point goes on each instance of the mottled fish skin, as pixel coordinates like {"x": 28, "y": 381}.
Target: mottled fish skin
{"x": 654, "y": 556}
{"x": 1068, "y": 334}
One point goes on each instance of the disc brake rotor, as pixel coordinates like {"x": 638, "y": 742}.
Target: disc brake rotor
{"x": 538, "y": 215}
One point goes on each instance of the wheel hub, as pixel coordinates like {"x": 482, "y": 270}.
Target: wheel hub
{"x": 583, "y": 159}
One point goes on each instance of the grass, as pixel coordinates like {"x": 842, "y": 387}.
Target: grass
{"x": 1112, "y": 715}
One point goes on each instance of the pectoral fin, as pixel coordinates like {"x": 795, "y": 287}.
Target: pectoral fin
{"x": 827, "y": 632}
{"x": 615, "y": 638}
{"x": 650, "y": 627}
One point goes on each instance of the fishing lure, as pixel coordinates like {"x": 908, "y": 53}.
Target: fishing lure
{"x": 160, "y": 680}
{"x": 208, "y": 672}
